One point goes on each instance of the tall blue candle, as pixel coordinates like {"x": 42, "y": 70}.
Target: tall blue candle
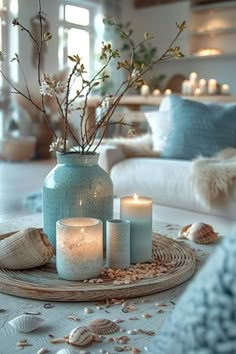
{"x": 138, "y": 210}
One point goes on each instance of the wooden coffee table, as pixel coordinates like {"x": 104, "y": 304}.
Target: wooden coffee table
{"x": 146, "y": 312}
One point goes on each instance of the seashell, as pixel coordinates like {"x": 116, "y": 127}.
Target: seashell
{"x": 26, "y": 323}
{"x": 27, "y": 248}
{"x": 103, "y": 326}
{"x": 66, "y": 351}
{"x": 198, "y": 232}
{"x": 80, "y": 336}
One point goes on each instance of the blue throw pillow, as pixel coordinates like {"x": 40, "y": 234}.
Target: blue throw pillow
{"x": 204, "y": 320}
{"x": 199, "y": 129}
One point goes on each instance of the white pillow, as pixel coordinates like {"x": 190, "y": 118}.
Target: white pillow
{"x": 159, "y": 122}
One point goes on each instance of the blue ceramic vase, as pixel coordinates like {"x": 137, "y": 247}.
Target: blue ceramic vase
{"x": 76, "y": 187}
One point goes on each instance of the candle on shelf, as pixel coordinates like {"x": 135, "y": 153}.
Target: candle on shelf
{"x": 144, "y": 90}
{"x": 187, "y": 87}
{"x": 79, "y": 248}
{"x": 118, "y": 244}
{"x": 212, "y": 87}
{"x": 225, "y": 89}
{"x": 197, "y": 91}
{"x": 202, "y": 84}
{"x": 156, "y": 92}
{"x": 139, "y": 211}
{"x": 193, "y": 78}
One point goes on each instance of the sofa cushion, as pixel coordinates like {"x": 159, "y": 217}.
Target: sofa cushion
{"x": 159, "y": 122}
{"x": 199, "y": 129}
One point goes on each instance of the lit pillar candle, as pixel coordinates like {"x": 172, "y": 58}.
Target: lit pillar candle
{"x": 156, "y": 92}
{"x": 193, "y": 79}
{"x": 225, "y": 89}
{"x": 202, "y": 86}
{"x": 145, "y": 90}
{"x": 138, "y": 210}
{"x": 212, "y": 87}
{"x": 167, "y": 92}
{"x": 79, "y": 248}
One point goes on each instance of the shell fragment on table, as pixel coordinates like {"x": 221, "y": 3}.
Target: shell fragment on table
{"x": 66, "y": 351}
{"x": 26, "y": 323}
{"x": 28, "y": 248}
{"x": 198, "y": 232}
{"x": 103, "y": 326}
{"x": 81, "y": 336}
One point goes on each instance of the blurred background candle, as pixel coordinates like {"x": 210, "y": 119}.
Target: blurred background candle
{"x": 79, "y": 248}
{"x": 145, "y": 90}
{"x": 202, "y": 86}
{"x": 138, "y": 210}
{"x": 118, "y": 243}
{"x": 156, "y": 92}
{"x": 225, "y": 89}
{"x": 212, "y": 87}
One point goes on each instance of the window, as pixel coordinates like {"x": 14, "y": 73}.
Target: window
{"x": 80, "y": 30}
{"x": 8, "y": 9}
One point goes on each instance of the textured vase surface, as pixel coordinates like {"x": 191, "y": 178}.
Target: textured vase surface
{"x": 76, "y": 187}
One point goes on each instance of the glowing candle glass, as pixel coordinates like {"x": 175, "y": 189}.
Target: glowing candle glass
{"x": 79, "y": 248}
{"x": 138, "y": 210}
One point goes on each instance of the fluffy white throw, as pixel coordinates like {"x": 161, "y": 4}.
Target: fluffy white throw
{"x": 213, "y": 178}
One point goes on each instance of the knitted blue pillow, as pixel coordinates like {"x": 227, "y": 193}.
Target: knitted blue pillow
{"x": 204, "y": 320}
{"x": 199, "y": 129}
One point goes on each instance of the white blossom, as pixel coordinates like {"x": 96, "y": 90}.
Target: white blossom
{"x": 58, "y": 145}
{"x": 46, "y": 90}
{"x": 108, "y": 102}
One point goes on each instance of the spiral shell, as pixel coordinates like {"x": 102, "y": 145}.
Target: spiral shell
{"x": 25, "y": 249}
{"x": 26, "y": 323}
{"x": 81, "y": 336}
{"x": 198, "y": 232}
{"x": 103, "y": 326}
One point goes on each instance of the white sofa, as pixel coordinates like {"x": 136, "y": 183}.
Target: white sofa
{"x": 168, "y": 182}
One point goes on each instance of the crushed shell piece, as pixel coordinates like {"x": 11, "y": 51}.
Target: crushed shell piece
{"x": 80, "y": 336}
{"x": 87, "y": 310}
{"x": 42, "y": 351}
{"x": 103, "y": 326}
{"x": 199, "y": 233}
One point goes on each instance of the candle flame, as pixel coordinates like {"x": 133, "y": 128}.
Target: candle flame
{"x": 135, "y": 196}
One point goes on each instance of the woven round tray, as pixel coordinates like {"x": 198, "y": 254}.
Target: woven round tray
{"x": 44, "y": 284}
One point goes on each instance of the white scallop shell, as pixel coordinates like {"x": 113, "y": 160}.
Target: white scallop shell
{"x": 26, "y": 323}
{"x": 198, "y": 232}
{"x": 66, "y": 351}
{"x": 81, "y": 336}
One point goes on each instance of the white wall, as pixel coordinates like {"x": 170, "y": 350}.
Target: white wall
{"x": 160, "y": 21}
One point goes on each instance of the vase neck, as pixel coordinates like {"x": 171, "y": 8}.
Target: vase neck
{"x": 77, "y": 159}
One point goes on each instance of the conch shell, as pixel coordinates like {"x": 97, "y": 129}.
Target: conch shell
{"x": 198, "y": 232}
{"x": 25, "y": 249}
